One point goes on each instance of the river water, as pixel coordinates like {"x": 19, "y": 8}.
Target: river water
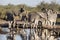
{"x": 17, "y": 37}
{"x": 3, "y": 37}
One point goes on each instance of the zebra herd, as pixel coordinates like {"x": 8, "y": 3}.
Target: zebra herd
{"x": 46, "y": 18}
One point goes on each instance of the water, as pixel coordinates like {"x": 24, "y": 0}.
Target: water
{"x": 17, "y": 37}
{"x": 3, "y": 37}
{"x": 28, "y": 32}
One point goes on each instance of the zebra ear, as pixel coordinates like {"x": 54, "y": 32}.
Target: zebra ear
{"x": 21, "y": 10}
{"x": 44, "y": 10}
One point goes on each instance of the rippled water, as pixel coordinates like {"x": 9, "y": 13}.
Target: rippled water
{"x": 3, "y": 37}
{"x": 17, "y": 37}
